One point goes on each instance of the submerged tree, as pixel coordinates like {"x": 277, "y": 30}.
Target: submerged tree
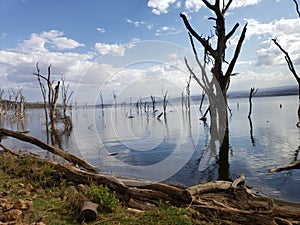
{"x": 217, "y": 87}
{"x": 53, "y": 92}
{"x": 217, "y": 55}
{"x": 66, "y": 96}
{"x": 253, "y": 91}
{"x": 153, "y": 102}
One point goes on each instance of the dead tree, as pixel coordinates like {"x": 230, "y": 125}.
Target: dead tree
{"x": 65, "y": 96}
{"x": 217, "y": 55}
{"x": 201, "y": 102}
{"x": 216, "y": 87}
{"x": 188, "y": 93}
{"x": 1, "y": 99}
{"x": 165, "y": 102}
{"x": 52, "y": 95}
{"x": 182, "y": 100}
{"x": 44, "y": 94}
{"x": 253, "y": 91}
{"x": 291, "y": 67}
{"x": 115, "y": 99}
{"x": 153, "y": 102}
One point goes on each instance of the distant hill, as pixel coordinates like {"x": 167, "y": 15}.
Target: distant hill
{"x": 265, "y": 92}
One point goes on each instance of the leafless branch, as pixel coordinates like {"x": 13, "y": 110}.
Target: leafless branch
{"x": 225, "y": 8}
{"x": 204, "y": 42}
{"x": 237, "y": 52}
{"x": 288, "y": 60}
{"x": 297, "y": 7}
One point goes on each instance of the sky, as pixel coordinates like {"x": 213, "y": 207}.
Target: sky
{"x": 136, "y": 48}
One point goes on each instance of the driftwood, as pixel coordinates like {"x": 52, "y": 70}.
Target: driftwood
{"x": 88, "y": 209}
{"x": 67, "y": 156}
{"x": 230, "y": 202}
{"x": 294, "y": 165}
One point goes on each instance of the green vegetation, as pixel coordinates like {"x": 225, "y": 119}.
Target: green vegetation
{"x": 101, "y": 195}
{"x": 34, "y": 179}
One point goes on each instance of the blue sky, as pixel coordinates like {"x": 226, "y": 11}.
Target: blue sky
{"x": 135, "y": 48}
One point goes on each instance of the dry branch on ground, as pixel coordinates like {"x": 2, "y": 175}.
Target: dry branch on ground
{"x": 230, "y": 201}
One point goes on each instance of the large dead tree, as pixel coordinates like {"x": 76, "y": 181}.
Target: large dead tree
{"x": 216, "y": 88}
{"x": 217, "y": 55}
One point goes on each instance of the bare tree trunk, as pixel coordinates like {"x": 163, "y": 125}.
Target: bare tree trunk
{"x": 165, "y": 102}
{"x": 251, "y": 132}
{"x": 65, "y": 96}
{"x": 43, "y": 90}
{"x": 115, "y": 99}
{"x": 182, "y": 100}
{"x": 201, "y": 102}
{"x": 188, "y": 93}
{"x": 153, "y": 102}
{"x": 253, "y": 91}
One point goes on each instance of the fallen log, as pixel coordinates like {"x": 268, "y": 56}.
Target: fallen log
{"x": 57, "y": 151}
{"x": 294, "y": 165}
{"x": 228, "y": 201}
{"x": 88, "y": 209}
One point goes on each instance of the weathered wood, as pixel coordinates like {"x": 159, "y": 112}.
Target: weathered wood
{"x": 79, "y": 176}
{"x": 209, "y": 187}
{"x": 67, "y": 156}
{"x": 135, "y": 204}
{"x": 88, "y": 209}
{"x": 228, "y": 201}
{"x": 294, "y": 165}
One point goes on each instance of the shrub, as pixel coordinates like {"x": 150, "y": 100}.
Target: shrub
{"x": 101, "y": 195}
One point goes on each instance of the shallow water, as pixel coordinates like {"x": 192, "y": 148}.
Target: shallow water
{"x": 177, "y": 149}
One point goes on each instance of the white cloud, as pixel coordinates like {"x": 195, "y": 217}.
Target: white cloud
{"x": 36, "y": 43}
{"x": 62, "y": 43}
{"x": 54, "y": 38}
{"x": 287, "y": 33}
{"x": 243, "y": 3}
{"x": 160, "y": 6}
{"x": 248, "y": 79}
{"x": 110, "y": 49}
{"x": 196, "y": 5}
{"x": 166, "y": 30}
{"x": 150, "y": 26}
{"x": 18, "y": 65}
{"x": 135, "y": 23}
{"x": 101, "y": 29}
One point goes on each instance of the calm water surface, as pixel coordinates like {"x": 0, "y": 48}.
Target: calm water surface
{"x": 177, "y": 149}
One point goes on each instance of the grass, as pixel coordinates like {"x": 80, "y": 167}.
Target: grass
{"x": 34, "y": 179}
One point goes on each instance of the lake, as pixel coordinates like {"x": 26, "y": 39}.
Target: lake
{"x": 131, "y": 142}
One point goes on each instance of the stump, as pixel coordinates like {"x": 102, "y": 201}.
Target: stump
{"x": 87, "y": 208}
